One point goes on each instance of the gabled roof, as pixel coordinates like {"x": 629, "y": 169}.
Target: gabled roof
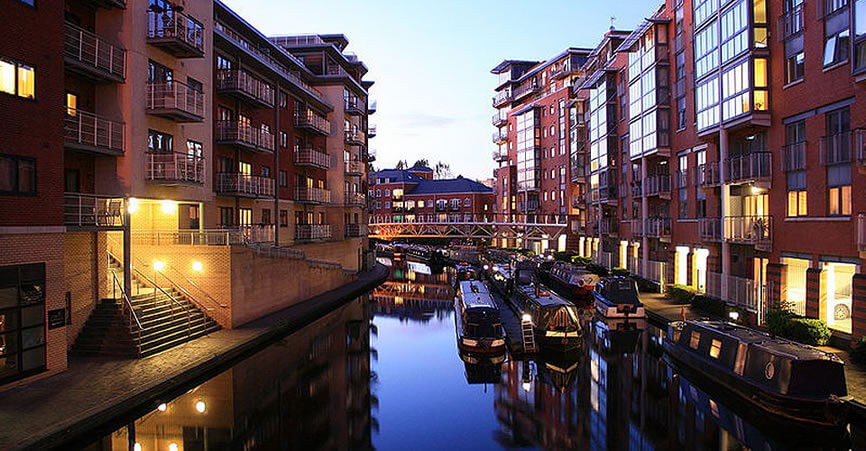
{"x": 445, "y": 186}
{"x": 420, "y": 169}
{"x": 396, "y": 176}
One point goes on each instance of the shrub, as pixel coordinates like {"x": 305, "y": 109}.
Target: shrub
{"x": 619, "y": 271}
{"x": 710, "y": 306}
{"x": 582, "y": 261}
{"x": 809, "y": 330}
{"x": 597, "y": 269}
{"x": 681, "y": 294}
{"x": 858, "y": 352}
{"x": 778, "y": 321}
{"x": 563, "y": 256}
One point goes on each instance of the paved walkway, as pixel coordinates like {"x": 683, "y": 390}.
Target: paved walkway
{"x": 69, "y": 405}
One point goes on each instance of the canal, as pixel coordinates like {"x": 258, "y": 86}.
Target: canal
{"x": 384, "y": 372}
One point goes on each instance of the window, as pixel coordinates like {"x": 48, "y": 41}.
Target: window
{"x": 17, "y": 175}
{"x": 795, "y": 68}
{"x": 71, "y": 104}
{"x": 227, "y": 217}
{"x": 28, "y": 2}
{"x": 859, "y": 34}
{"x": 797, "y": 203}
{"x": 715, "y": 348}
{"x": 284, "y": 100}
{"x": 387, "y": 205}
{"x": 284, "y": 179}
{"x": 387, "y": 193}
{"x": 22, "y": 320}
{"x": 695, "y": 340}
{"x": 159, "y": 142}
{"x": 284, "y": 218}
{"x": 17, "y": 79}
{"x": 266, "y": 216}
{"x": 157, "y": 73}
{"x": 284, "y": 139}
{"x": 840, "y": 201}
{"x": 836, "y": 48}
{"x": 266, "y": 171}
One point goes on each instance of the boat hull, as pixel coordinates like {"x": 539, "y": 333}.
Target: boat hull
{"x": 610, "y": 310}
{"x": 581, "y": 296}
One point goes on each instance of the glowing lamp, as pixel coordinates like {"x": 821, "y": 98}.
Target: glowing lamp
{"x": 158, "y": 265}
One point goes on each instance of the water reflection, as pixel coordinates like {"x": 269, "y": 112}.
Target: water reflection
{"x": 414, "y": 292}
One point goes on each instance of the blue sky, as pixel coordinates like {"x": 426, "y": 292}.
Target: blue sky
{"x": 431, "y": 60}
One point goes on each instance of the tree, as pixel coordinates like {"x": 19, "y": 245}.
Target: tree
{"x": 442, "y": 171}
{"x": 401, "y": 164}
{"x": 422, "y": 162}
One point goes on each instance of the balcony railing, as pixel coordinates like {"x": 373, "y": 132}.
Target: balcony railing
{"x": 657, "y": 185}
{"x": 755, "y": 230}
{"x": 372, "y": 107}
{"x": 312, "y": 195}
{"x": 836, "y": 149}
{"x": 657, "y": 227}
{"x": 176, "y": 33}
{"x": 709, "y": 175}
{"x": 355, "y": 167}
{"x": 500, "y": 155}
{"x": 369, "y": 155}
{"x": 354, "y": 106}
{"x": 792, "y": 22}
{"x": 244, "y": 185}
{"x": 87, "y": 53}
{"x": 525, "y": 89}
{"x": 245, "y": 86}
{"x": 354, "y": 137}
{"x": 355, "y": 199}
{"x": 244, "y": 135}
{"x": 371, "y": 131}
{"x": 609, "y": 226}
{"x": 92, "y": 211}
{"x": 710, "y": 229}
{"x": 794, "y": 157}
{"x": 637, "y": 227}
{"x": 312, "y": 232}
{"x": 861, "y": 232}
{"x": 499, "y": 120}
{"x": 749, "y": 167}
{"x": 175, "y": 100}
{"x": 307, "y": 156}
{"x": 742, "y": 292}
{"x": 356, "y": 230}
{"x": 860, "y": 133}
{"x": 499, "y": 138}
{"x": 501, "y": 98}
{"x": 307, "y": 119}
{"x": 227, "y": 236}
{"x": 175, "y": 167}
{"x": 87, "y": 131}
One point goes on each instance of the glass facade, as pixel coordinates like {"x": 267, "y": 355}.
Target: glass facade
{"x": 528, "y": 150}
{"x": 22, "y": 320}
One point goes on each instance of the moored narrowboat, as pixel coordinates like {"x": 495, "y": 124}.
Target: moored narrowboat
{"x": 781, "y": 377}
{"x": 477, "y": 321}
{"x": 555, "y": 320}
{"x": 570, "y": 281}
{"x": 617, "y": 297}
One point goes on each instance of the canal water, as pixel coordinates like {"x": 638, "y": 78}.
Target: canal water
{"x": 384, "y": 372}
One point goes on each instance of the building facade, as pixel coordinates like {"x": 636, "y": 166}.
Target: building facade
{"x": 175, "y": 145}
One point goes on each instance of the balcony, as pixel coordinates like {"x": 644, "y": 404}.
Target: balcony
{"x": 499, "y": 156}
{"x": 245, "y": 87}
{"x": 354, "y": 106}
{"x": 500, "y": 138}
{"x": 88, "y": 55}
{"x": 657, "y": 185}
{"x": 710, "y": 229}
{"x": 88, "y": 211}
{"x": 563, "y": 70}
{"x": 313, "y": 122}
{"x": 356, "y": 230}
{"x": 609, "y": 227}
{"x": 861, "y": 146}
{"x": 306, "y": 195}
{"x": 307, "y": 156}
{"x": 794, "y": 157}
{"x": 355, "y": 200}
{"x": 312, "y": 232}
{"x": 372, "y": 107}
{"x": 836, "y": 149}
{"x": 636, "y": 189}
{"x": 753, "y": 230}
{"x": 354, "y": 137}
{"x": 244, "y": 185}
{"x": 369, "y": 155}
{"x": 658, "y": 227}
{"x": 682, "y": 178}
{"x": 176, "y": 33}
{"x": 751, "y": 167}
{"x": 578, "y": 170}
{"x": 244, "y": 135}
{"x": 371, "y": 131}
{"x": 525, "y": 90}
{"x": 709, "y": 175}
{"x": 354, "y": 168}
{"x": 87, "y": 131}
{"x": 176, "y": 101}
{"x": 174, "y": 169}
{"x": 501, "y": 98}
{"x": 637, "y": 227}
{"x": 499, "y": 120}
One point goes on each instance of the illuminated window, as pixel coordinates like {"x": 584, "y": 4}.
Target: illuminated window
{"x": 797, "y": 203}
{"x": 695, "y": 340}
{"x": 17, "y": 79}
{"x": 71, "y": 104}
{"x": 715, "y": 349}
{"x": 840, "y": 201}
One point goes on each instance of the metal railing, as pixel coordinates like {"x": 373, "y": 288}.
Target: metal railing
{"x": 860, "y": 142}
{"x": 206, "y": 237}
{"x": 354, "y": 105}
{"x": 173, "y": 25}
{"x": 245, "y": 82}
{"x": 354, "y": 167}
{"x": 88, "y": 210}
{"x": 87, "y": 129}
{"x": 127, "y": 310}
{"x": 709, "y": 175}
{"x": 657, "y": 185}
{"x": 653, "y": 271}
{"x": 499, "y": 138}
{"x": 354, "y": 137}
{"x": 710, "y": 229}
{"x": 637, "y": 227}
{"x": 309, "y": 119}
{"x": 236, "y": 131}
{"x": 499, "y": 120}
{"x": 371, "y": 131}
{"x": 356, "y": 199}
{"x": 794, "y": 156}
{"x": 175, "y": 304}
{"x": 356, "y": 230}
{"x": 307, "y": 156}
{"x": 175, "y": 167}
{"x": 311, "y": 232}
{"x": 318, "y": 195}
{"x": 501, "y": 98}
{"x": 742, "y": 292}
{"x": 757, "y": 230}
{"x": 499, "y": 155}
{"x": 525, "y": 89}
{"x": 836, "y": 149}
{"x": 658, "y": 227}
{"x": 174, "y": 95}
{"x": 93, "y": 52}
{"x": 253, "y": 185}
{"x": 749, "y": 167}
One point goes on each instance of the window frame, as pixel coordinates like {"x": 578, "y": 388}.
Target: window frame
{"x": 16, "y": 182}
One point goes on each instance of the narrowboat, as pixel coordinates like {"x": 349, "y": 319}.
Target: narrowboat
{"x": 478, "y": 325}
{"x": 555, "y": 320}
{"x": 617, "y": 297}
{"x": 570, "y": 281}
{"x": 500, "y": 277}
{"x": 781, "y": 377}
{"x": 464, "y": 271}
{"x": 482, "y": 369}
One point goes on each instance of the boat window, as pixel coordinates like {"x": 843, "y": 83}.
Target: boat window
{"x": 695, "y": 340}
{"x": 715, "y": 349}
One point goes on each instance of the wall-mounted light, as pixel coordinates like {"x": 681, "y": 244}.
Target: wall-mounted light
{"x": 200, "y": 406}
{"x": 172, "y": 447}
{"x": 132, "y": 206}
{"x": 168, "y": 206}
{"x": 158, "y": 265}
{"x": 162, "y": 407}
{"x": 197, "y": 266}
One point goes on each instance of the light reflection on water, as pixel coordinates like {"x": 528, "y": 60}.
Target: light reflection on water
{"x": 385, "y": 373}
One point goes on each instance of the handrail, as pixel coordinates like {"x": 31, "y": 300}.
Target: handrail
{"x": 188, "y": 314}
{"x": 128, "y": 305}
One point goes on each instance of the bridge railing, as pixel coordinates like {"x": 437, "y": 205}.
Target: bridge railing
{"x": 474, "y": 218}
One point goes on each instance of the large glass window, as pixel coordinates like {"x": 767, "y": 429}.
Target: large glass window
{"x": 528, "y": 150}
{"x": 707, "y": 50}
{"x": 22, "y": 320}
{"x": 859, "y": 34}
{"x": 707, "y": 103}
{"x": 735, "y": 31}
{"x": 836, "y": 286}
{"x": 17, "y": 79}
{"x": 796, "y": 283}
{"x": 836, "y": 32}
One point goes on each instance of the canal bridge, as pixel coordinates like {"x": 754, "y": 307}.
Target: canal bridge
{"x": 523, "y": 227}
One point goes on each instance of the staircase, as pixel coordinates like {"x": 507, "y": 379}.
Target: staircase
{"x": 166, "y": 316}
{"x": 528, "y": 336}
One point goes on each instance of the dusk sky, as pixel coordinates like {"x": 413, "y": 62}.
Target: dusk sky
{"x": 431, "y": 61}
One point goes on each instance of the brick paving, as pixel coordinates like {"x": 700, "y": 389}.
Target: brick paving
{"x": 70, "y": 405}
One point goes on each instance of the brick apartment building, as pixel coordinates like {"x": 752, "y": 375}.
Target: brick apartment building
{"x": 176, "y": 147}
{"x": 719, "y": 145}
{"x": 412, "y": 195}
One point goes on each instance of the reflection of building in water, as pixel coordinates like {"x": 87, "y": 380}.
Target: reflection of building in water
{"x": 309, "y": 391}
{"x": 537, "y": 403}
{"x": 408, "y": 294}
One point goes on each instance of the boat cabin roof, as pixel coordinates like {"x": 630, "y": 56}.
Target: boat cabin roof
{"x": 546, "y": 298}
{"x": 621, "y": 289}
{"x": 476, "y": 295}
{"x": 774, "y": 345}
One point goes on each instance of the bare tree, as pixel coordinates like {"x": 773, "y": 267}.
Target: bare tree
{"x": 422, "y": 162}
{"x": 442, "y": 171}
{"x": 401, "y": 164}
